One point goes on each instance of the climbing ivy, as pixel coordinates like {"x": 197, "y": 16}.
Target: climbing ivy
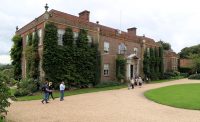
{"x": 75, "y": 63}
{"x": 120, "y": 68}
{"x": 16, "y": 54}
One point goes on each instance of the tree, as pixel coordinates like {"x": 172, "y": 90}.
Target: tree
{"x": 165, "y": 45}
{"x": 68, "y": 37}
{"x": 16, "y": 54}
{"x": 120, "y": 67}
{"x": 146, "y": 67}
{"x": 161, "y": 65}
{"x": 4, "y": 95}
{"x": 195, "y": 62}
{"x": 185, "y": 52}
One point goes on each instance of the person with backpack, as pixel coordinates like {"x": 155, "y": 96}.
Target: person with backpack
{"x": 45, "y": 89}
{"x": 51, "y": 90}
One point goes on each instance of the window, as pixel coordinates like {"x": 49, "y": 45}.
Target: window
{"x": 75, "y": 35}
{"x": 33, "y": 35}
{"x": 122, "y": 48}
{"x": 89, "y": 39}
{"x": 106, "y": 47}
{"x": 106, "y": 70}
{"x": 148, "y": 51}
{"x": 40, "y": 36}
{"x": 26, "y": 39}
{"x": 135, "y": 51}
{"x": 60, "y": 36}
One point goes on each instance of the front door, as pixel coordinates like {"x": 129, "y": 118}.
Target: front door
{"x": 131, "y": 71}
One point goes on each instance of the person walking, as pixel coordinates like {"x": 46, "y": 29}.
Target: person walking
{"x": 140, "y": 81}
{"x": 51, "y": 90}
{"x": 132, "y": 83}
{"x": 46, "y": 91}
{"x": 62, "y": 89}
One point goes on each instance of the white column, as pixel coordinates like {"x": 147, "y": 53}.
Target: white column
{"x": 138, "y": 67}
{"x": 128, "y": 71}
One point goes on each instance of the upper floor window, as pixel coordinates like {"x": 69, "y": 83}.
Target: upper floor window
{"x": 135, "y": 51}
{"x": 122, "y": 48}
{"x": 148, "y": 51}
{"x": 33, "y": 35}
{"x": 106, "y": 70}
{"x": 75, "y": 35}
{"x": 60, "y": 36}
{"x": 40, "y": 36}
{"x": 26, "y": 39}
{"x": 89, "y": 39}
{"x": 106, "y": 47}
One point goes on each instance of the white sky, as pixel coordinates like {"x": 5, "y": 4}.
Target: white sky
{"x": 173, "y": 21}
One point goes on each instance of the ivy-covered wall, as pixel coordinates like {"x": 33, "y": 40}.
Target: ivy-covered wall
{"x": 75, "y": 62}
{"x": 16, "y": 54}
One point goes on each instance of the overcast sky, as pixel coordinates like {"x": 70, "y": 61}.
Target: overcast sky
{"x": 174, "y": 21}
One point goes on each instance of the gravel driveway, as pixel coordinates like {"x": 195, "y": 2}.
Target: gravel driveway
{"x": 107, "y": 106}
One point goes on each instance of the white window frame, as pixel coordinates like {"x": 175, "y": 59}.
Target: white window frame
{"x": 89, "y": 38}
{"x": 106, "y": 69}
{"x": 135, "y": 50}
{"x": 106, "y": 47}
{"x": 40, "y": 36}
{"x": 60, "y": 33}
{"x": 26, "y": 39}
{"x": 75, "y": 34}
{"x": 122, "y": 48}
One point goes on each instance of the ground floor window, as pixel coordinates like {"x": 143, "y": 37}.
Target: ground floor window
{"x": 106, "y": 70}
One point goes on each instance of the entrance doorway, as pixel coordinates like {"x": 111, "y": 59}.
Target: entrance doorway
{"x": 131, "y": 71}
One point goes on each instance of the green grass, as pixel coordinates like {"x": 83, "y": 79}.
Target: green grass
{"x": 56, "y": 94}
{"x": 185, "y": 96}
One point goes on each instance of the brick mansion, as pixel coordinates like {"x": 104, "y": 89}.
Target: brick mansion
{"x": 112, "y": 42}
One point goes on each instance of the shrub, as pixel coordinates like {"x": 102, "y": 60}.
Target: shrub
{"x": 26, "y": 87}
{"x": 194, "y": 76}
{"x": 107, "y": 84}
{"x": 185, "y": 75}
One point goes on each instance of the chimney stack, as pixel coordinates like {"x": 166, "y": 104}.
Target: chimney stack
{"x": 84, "y": 15}
{"x": 132, "y": 31}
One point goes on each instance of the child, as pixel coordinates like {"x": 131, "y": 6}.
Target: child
{"x": 140, "y": 81}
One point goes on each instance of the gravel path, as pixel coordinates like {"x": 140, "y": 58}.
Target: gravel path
{"x": 108, "y": 106}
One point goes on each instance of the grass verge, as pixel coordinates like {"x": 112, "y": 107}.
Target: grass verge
{"x": 181, "y": 96}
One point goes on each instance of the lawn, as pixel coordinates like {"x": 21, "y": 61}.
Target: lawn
{"x": 185, "y": 96}
{"x": 39, "y": 95}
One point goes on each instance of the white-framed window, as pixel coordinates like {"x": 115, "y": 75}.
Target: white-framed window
{"x": 75, "y": 35}
{"x": 148, "y": 51}
{"x": 60, "y": 36}
{"x": 26, "y": 39}
{"x": 135, "y": 50}
{"x": 122, "y": 48}
{"x": 89, "y": 39}
{"x": 40, "y": 36}
{"x": 106, "y": 70}
{"x": 106, "y": 47}
{"x": 33, "y": 35}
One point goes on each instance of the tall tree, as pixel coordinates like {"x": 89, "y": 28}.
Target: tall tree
{"x": 82, "y": 40}
{"x": 165, "y": 45}
{"x": 16, "y": 54}
{"x": 161, "y": 65}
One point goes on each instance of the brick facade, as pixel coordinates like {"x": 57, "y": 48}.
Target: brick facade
{"x": 99, "y": 34}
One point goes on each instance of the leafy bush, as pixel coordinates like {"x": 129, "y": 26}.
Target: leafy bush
{"x": 185, "y": 75}
{"x": 107, "y": 84}
{"x": 194, "y": 76}
{"x": 26, "y": 87}
{"x": 168, "y": 75}
{"x": 4, "y": 95}
{"x": 185, "y": 69}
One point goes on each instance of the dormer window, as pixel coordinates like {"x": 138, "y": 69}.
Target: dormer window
{"x": 122, "y": 48}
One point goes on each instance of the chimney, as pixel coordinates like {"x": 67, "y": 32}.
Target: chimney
{"x": 84, "y": 15}
{"x": 132, "y": 31}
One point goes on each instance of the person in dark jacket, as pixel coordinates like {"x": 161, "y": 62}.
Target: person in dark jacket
{"x": 46, "y": 91}
{"x": 51, "y": 92}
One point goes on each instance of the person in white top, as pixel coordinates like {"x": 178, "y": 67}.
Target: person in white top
{"x": 132, "y": 83}
{"x": 62, "y": 90}
{"x": 140, "y": 81}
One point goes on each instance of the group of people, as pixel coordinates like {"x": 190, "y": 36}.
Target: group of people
{"x": 47, "y": 88}
{"x": 136, "y": 82}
